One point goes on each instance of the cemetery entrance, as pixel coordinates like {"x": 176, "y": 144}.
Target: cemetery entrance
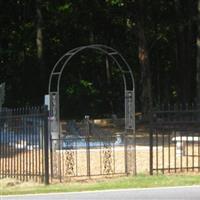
{"x": 88, "y": 147}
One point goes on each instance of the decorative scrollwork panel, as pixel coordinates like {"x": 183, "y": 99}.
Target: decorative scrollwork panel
{"x": 107, "y": 160}
{"x": 69, "y": 163}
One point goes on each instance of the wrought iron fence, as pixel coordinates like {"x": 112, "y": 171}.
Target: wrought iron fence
{"x": 83, "y": 149}
{"x": 24, "y": 143}
{"x": 88, "y": 150}
{"x": 175, "y": 139}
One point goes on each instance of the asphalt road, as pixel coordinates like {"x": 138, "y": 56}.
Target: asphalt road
{"x": 183, "y": 193}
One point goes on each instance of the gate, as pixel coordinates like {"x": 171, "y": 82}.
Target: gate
{"x": 24, "y": 144}
{"x": 84, "y": 151}
{"x": 87, "y": 149}
{"x": 175, "y": 140}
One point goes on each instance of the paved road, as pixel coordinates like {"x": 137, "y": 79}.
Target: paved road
{"x": 178, "y": 193}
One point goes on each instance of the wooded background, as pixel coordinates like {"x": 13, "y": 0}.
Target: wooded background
{"x": 160, "y": 40}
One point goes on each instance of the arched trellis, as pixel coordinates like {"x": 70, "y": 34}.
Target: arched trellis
{"x": 121, "y": 63}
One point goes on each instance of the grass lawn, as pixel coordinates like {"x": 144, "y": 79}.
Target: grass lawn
{"x": 10, "y": 186}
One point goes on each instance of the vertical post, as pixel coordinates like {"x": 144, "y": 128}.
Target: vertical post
{"x": 125, "y": 152}
{"x": 46, "y": 147}
{"x": 51, "y": 156}
{"x": 151, "y": 153}
{"x": 151, "y": 146}
{"x": 87, "y": 118}
{"x": 130, "y": 109}
{"x": 130, "y": 147}
{"x": 135, "y": 153}
{"x": 55, "y": 121}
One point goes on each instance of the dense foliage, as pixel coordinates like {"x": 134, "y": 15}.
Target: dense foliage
{"x": 158, "y": 39}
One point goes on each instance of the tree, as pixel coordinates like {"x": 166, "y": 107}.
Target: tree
{"x": 198, "y": 55}
{"x": 143, "y": 56}
{"x": 39, "y": 44}
{"x": 185, "y": 48}
{"x": 158, "y": 38}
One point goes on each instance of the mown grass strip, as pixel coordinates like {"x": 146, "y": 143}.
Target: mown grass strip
{"x": 140, "y": 181}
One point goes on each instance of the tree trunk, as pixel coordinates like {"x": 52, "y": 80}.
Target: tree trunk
{"x": 39, "y": 43}
{"x": 108, "y": 79}
{"x": 185, "y": 38}
{"x": 143, "y": 55}
{"x": 198, "y": 55}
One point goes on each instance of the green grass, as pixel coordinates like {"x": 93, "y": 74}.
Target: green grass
{"x": 140, "y": 181}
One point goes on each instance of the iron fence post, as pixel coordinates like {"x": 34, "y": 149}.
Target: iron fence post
{"x": 125, "y": 152}
{"x": 87, "y": 118}
{"x": 151, "y": 153}
{"x": 46, "y": 147}
{"x": 151, "y": 144}
{"x": 135, "y": 153}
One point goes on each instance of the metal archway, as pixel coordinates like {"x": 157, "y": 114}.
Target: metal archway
{"x": 121, "y": 63}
